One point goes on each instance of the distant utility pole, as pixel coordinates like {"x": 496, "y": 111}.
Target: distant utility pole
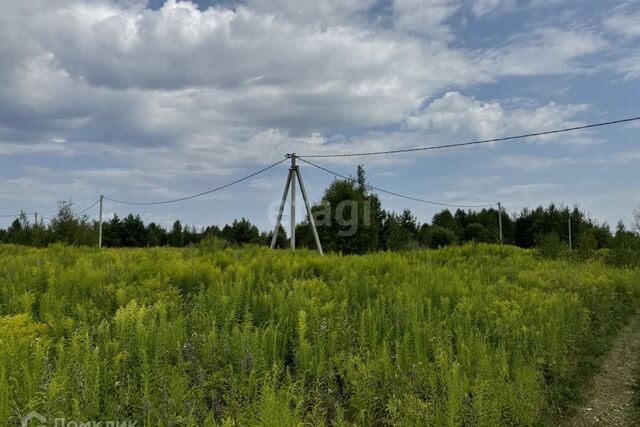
{"x": 36, "y": 215}
{"x": 100, "y": 223}
{"x": 570, "y": 238}
{"x": 294, "y": 174}
{"x": 500, "y": 220}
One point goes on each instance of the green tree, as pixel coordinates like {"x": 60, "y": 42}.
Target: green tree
{"x": 19, "y": 232}
{"x": 65, "y": 227}
{"x": 175, "y": 236}
{"x": 445, "y": 219}
{"x": 476, "y": 232}
{"x": 303, "y": 230}
{"x": 241, "y": 232}
{"x": 156, "y": 235}
{"x": 409, "y": 223}
{"x": 348, "y": 216}
{"x": 625, "y": 248}
{"x": 134, "y": 233}
{"x": 112, "y": 232}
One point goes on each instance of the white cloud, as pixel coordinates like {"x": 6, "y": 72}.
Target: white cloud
{"x": 206, "y": 93}
{"x": 546, "y": 50}
{"x": 629, "y": 66}
{"x": 531, "y": 162}
{"x": 466, "y": 118}
{"x": 626, "y": 156}
{"x": 624, "y": 23}
{"x": 326, "y": 12}
{"x": 525, "y": 189}
{"x": 484, "y": 7}
{"x": 261, "y": 184}
{"x": 224, "y": 79}
{"x": 424, "y": 16}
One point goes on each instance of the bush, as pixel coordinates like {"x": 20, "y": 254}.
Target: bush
{"x": 550, "y": 246}
{"x": 212, "y": 244}
{"x": 437, "y": 237}
{"x": 625, "y": 250}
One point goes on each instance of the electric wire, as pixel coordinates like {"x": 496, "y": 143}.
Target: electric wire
{"x": 16, "y": 216}
{"x": 393, "y": 193}
{"x": 483, "y": 141}
{"x": 162, "y": 202}
{"x": 88, "y": 209}
{"x": 75, "y": 215}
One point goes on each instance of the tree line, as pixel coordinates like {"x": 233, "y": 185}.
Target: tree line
{"x": 350, "y": 219}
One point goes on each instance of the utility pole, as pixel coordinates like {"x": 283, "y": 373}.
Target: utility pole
{"x": 500, "y": 220}
{"x": 312, "y": 221}
{"x": 36, "y": 215}
{"x": 100, "y": 223}
{"x": 570, "y": 237}
{"x": 294, "y": 174}
{"x": 293, "y": 201}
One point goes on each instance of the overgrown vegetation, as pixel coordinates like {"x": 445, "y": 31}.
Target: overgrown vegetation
{"x": 470, "y": 335}
{"x": 350, "y": 219}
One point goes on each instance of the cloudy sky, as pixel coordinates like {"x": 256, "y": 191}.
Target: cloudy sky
{"x": 148, "y": 100}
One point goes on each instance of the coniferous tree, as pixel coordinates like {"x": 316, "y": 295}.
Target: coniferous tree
{"x": 175, "y": 237}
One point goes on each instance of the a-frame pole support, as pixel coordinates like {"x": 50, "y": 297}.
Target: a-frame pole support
{"x": 279, "y": 220}
{"x": 312, "y": 222}
{"x": 294, "y": 174}
{"x": 292, "y": 233}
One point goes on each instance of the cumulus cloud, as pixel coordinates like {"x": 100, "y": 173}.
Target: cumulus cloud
{"x": 203, "y": 93}
{"x": 466, "y": 117}
{"x": 191, "y": 78}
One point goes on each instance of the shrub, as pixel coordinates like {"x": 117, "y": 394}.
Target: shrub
{"x": 437, "y": 237}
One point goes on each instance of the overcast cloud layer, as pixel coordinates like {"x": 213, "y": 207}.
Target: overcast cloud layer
{"x": 144, "y": 101}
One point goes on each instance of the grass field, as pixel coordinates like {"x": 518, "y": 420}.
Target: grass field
{"x": 473, "y": 335}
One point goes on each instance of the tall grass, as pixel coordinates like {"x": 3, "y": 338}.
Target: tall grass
{"x": 475, "y": 335}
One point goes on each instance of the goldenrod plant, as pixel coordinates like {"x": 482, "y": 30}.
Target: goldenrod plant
{"x": 476, "y": 335}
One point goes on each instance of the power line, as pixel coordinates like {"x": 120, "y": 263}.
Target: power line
{"x": 75, "y": 215}
{"x": 89, "y": 208}
{"x": 124, "y": 202}
{"x": 484, "y": 141}
{"x": 16, "y": 216}
{"x": 46, "y": 218}
{"x": 393, "y": 193}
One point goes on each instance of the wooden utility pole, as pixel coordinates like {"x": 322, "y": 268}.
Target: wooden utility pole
{"x": 570, "y": 237}
{"x": 294, "y": 174}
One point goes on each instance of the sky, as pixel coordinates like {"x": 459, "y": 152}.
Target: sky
{"x": 151, "y": 100}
